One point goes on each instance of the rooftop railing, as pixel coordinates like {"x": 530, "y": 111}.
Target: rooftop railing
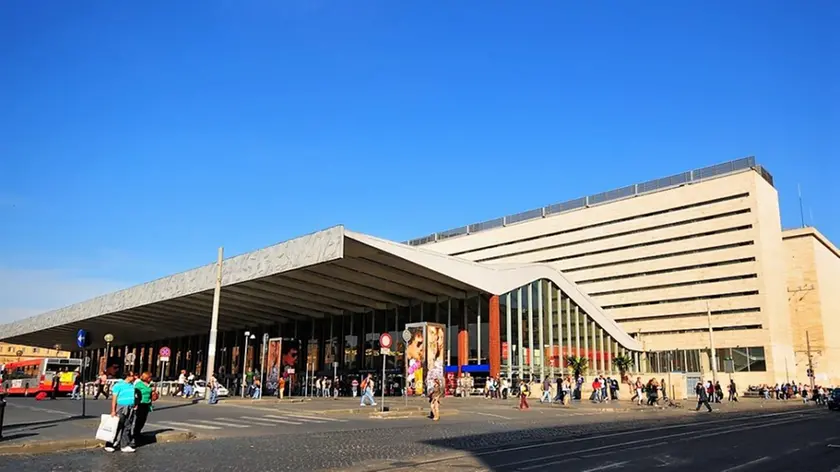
{"x": 656, "y": 185}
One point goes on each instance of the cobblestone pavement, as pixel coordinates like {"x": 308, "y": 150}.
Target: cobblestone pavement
{"x": 389, "y": 444}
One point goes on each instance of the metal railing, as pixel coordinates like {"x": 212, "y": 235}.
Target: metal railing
{"x": 656, "y": 185}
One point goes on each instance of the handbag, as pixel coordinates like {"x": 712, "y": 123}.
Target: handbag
{"x": 107, "y": 428}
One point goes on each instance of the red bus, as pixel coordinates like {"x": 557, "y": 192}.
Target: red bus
{"x": 30, "y": 376}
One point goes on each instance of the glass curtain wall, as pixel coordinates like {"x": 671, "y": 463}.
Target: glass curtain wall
{"x": 541, "y": 327}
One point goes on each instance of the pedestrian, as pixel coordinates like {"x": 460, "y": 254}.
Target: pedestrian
{"x": 257, "y": 389}
{"x": 354, "y": 385}
{"x": 318, "y": 387}
{"x": 434, "y": 399}
{"x": 523, "y": 395}
{"x": 718, "y": 392}
{"x": 281, "y": 387}
{"x": 367, "y": 391}
{"x": 77, "y": 385}
{"x": 702, "y": 397}
{"x": 122, "y": 406}
{"x": 546, "y": 393}
{"x": 733, "y": 391}
{"x": 56, "y": 382}
{"x": 144, "y": 395}
{"x": 100, "y": 385}
{"x": 213, "y": 388}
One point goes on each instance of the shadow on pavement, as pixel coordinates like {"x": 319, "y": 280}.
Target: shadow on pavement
{"x": 180, "y": 405}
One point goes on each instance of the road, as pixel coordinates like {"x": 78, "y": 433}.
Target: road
{"x": 494, "y": 437}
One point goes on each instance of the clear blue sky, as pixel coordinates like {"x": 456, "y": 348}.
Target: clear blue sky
{"x": 136, "y": 137}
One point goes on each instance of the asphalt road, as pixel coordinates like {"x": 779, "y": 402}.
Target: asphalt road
{"x": 500, "y": 440}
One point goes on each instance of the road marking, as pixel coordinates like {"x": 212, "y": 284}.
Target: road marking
{"x": 613, "y": 465}
{"x": 319, "y": 418}
{"x": 166, "y": 426}
{"x": 295, "y": 417}
{"x": 269, "y": 419}
{"x": 693, "y": 435}
{"x": 747, "y": 464}
{"x": 222, "y": 422}
{"x": 247, "y": 422}
{"x": 190, "y": 425}
{"x": 834, "y": 445}
{"x": 491, "y": 414}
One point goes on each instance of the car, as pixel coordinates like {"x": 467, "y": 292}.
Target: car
{"x": 200, "y": 387}
{"x": 834, "y": 399}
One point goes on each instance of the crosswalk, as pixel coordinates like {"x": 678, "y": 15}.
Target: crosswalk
{"x": 245, "y": 421}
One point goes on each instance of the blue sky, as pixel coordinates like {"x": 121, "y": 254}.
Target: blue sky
{"x": 137, "y": 137}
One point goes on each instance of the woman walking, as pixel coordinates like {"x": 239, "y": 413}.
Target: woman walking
{"x": 434, "y": 399}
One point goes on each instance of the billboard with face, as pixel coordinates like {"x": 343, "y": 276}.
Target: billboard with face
{"x": 424, "y": 354}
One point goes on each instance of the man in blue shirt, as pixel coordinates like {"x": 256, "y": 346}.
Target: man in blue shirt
{"x": 122, "y": 405}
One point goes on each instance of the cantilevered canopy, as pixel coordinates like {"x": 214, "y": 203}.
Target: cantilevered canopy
{"x": 331, "y": 272}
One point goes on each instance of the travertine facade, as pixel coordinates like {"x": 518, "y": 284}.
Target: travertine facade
{"x": 813, "y": 270}
{"x": 655, "y": 262}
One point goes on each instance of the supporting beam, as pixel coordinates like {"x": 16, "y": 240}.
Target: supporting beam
{"x": 463, "y": 338}
{"x": 495, "y": 353}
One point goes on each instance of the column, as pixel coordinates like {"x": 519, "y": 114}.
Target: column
{"x": 520, "y": 355}
{"x": 609, "y": 352}
{"x": 541, "y": 321}
{"x": 577, "y": 331}
{"x": 569, "y": 326}
{"x": 550, "y": 312}
{"x": 463, "y": 337}
{"x": 494, "y": 356}
{"x": 587, "y": 354}
{"x": 531, "y": 329}
{"x": 478, "y": 329}
{"x": 448, "y": 337}
{"x": 596, "y": 353}
{"x": 508, "y": 309}
{"x": 560, "y": 360}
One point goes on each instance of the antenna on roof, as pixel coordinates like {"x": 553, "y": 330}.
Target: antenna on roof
{"x": 801, "y": 211}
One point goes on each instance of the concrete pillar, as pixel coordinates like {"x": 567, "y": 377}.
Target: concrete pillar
{"x": 463, "y": 338}
{"x": 495, "y": 353}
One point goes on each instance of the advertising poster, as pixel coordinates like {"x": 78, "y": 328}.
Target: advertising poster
{"x": 435, "y": 349}
{"x": 289, "y": 351}
{"x": 331, "y": 353}
{"x": 273, "y": 366}
{"x": 415, "y": 353}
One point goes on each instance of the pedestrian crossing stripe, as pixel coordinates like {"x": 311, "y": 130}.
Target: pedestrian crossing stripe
{"x": 190, "y": 425}
{"x": 247, "y": 422}
{"x": 295, "y": 418}
{"x": 271, "y": 419}
{"x": 321, "y": 419}
{"x": 223, "y": 422}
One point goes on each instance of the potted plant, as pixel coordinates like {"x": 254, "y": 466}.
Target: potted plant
{"x": 577, "y": 364}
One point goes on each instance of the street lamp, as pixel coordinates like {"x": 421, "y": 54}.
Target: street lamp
{"x": 248, "y": 336}
{"x": 109, "y": 338}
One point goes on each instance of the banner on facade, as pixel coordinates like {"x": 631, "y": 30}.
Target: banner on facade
{"x": 424, "y": 354}
{"x": 273, "y": 367}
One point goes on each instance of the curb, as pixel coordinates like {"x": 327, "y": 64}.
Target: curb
{"x": 40, "y": 447}
{"x": 392, "y": 415}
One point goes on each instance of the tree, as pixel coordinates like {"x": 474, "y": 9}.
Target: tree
{"x": 623, "y": 363}
{"x": 577, "y": 364}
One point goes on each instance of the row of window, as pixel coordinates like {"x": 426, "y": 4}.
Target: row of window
{"x": 743, "y": 359}
{"x": 701, "y": 330}
{"x": 609, "y": 222}
{"x": 682, "y": 299}
{"x": 659, "y": 256}
{"x": 675, "y": 285}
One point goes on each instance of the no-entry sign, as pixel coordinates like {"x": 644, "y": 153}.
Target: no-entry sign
{"x": 164, "y": 353}
{"x": 385, "y": 340}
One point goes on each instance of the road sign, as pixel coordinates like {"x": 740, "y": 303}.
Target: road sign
{"x": 385, "y": 340}
{"x": 164, "y": 354}
{"x": 385, "y": 351}
{"x": 81, "y": 339}
{"x": 129, "y": 358}
{"x": 406, "y": 335}
{"x": 335, "y": 364}
{"x": 87, "y": 361}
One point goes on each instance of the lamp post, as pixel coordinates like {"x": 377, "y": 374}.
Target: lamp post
{"x": 109, "y": 338}
{"x": 248, "y": 336}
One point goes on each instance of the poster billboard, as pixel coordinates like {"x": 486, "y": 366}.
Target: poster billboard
{"x": 273, "y": 368}
{"x": 424, "y": 356}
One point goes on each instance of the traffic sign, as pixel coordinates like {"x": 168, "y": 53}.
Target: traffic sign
{"x": 82, "y": 339}
{"x": 129, "y": 358}
{"x": 87, "y": 361}
{"x": 407, "y": 335}
{"x": 164, "y": 354}
{"x": 385, "y": 340}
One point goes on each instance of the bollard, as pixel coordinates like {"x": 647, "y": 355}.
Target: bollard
{"x": 2, "y": 411}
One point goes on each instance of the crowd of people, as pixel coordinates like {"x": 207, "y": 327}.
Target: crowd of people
{"x": 792, "y": 390}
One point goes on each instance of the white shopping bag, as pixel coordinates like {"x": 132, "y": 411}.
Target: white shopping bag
{"x": 107, "y": 428}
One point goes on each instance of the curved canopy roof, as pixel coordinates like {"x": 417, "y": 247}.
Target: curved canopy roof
{"x": 330, "y": 272}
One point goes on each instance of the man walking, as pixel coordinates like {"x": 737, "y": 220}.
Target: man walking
{"x": 733, "y": 391}
{"x": 702, "y": 397}
{"x": 143, "y": 397}
{"x": 546, "y": 393}
{"x": 367, "y": 389}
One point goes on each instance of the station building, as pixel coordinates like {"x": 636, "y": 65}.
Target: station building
{"x": 658, "y": 271}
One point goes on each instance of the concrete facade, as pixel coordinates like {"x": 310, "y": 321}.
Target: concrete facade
{"x": 8, "y": 352}
{"x": 656, "y": 262}
{"x": 813, "y": 269}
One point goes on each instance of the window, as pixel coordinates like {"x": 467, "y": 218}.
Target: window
{"x": 35, "y": 350}
{"x": 745, "y": 359}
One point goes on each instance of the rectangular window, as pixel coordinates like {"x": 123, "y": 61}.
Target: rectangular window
{"x": 756, "y": 360}
{"x": 739, "y": 356}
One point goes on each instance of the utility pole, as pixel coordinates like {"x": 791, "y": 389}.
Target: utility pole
{"x": 810, "y": 359}
{"x": 214, "y": 323}
{"x": 712, "y": 344}
{"x": 801, "y": 211}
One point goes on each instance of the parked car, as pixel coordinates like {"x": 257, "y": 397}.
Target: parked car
{"x": 834, "y": 399}
{"x": 200, "y": 386}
